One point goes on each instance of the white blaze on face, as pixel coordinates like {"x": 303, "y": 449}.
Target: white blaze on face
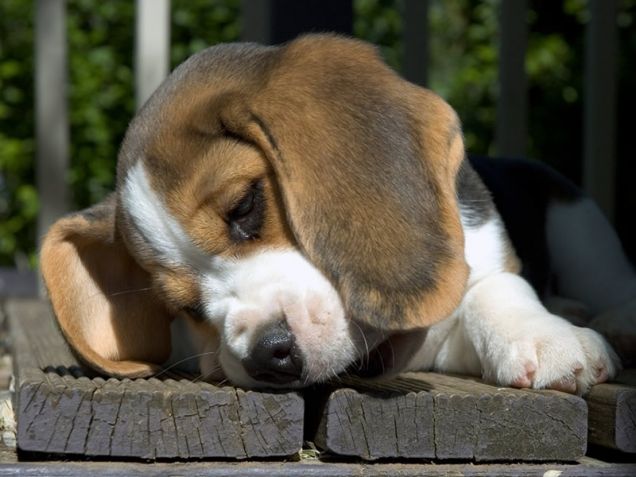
{"x": 162, "y": 232}
{"x": 274, "y": 285}
{"x": 242, "y": 294}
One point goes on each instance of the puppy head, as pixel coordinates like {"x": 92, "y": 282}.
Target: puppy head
{"x": 296, "y": 204}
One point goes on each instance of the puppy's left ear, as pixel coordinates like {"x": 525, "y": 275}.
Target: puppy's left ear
{"x": 366, "y": 163}
{"x": 103, "y": 300}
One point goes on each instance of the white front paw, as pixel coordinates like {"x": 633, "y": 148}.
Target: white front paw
{"x": 548, "y": 352}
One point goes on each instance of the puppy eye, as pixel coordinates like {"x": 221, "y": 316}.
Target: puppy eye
{"x": 246, "y": 218}
{"x": 196, "y": 312}
{"x": 244, "y": 207}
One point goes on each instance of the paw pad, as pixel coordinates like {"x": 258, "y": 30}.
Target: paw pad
{"x": 525, "y": 380}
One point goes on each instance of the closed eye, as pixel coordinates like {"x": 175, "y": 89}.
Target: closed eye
{"x": 196, "y": 311}
{"x": 245, "y": 219}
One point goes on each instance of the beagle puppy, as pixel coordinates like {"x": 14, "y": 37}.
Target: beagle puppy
{"x": 304, "y": 212}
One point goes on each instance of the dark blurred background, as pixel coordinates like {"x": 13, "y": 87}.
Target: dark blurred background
{"x": 462, "y": 66}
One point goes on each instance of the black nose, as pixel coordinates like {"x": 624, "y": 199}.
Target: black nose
{"x": 274, "y": 357}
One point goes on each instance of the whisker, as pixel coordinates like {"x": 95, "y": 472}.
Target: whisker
{"x": 203, "y": 377}
{"x": 194, "y": 356}
{"x": 365, "y": 356}
{"x": 382, "y": 358}
{"x": 128, "y": 292}
{"x": 364, "y": 338}
{"x": 392, "y": 352}
{"x": 122, "y": 292}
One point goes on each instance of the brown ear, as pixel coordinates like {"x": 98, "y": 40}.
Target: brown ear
{"x": 102, "y": 299}
{"x": 366, "y": 163}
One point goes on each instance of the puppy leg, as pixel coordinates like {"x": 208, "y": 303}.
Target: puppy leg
{"x": 519, "y": 343}
{"x": 591, "y": 266}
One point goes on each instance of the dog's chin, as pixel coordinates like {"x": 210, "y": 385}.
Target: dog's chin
{"x": 236, "y": 375}
{"x": 390, "y": 357}
{"x": 387, "y": 358}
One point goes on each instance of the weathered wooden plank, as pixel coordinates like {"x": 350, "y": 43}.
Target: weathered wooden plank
{"x": 424, "y": 415}
{"x": 312, "y": 469}
{"x": 272, "y": 419}
{"x": 62, "y": 409}
{"x": 533, "y": 425}
{"x": 220, "y": 428}
{"x": 75, "y": 442}
{"x": 612, "y": 410}
{"x": 378, "y": 424}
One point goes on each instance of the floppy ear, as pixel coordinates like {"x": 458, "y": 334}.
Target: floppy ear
{"x": 366, "y": 163}
{"x": 102, "y": 299}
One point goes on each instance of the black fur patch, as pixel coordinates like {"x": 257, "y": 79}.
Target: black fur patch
{"x": 522, "y": 190}
{"x": 474, "y": 198}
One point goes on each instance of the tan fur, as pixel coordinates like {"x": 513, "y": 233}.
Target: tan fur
{"x": 200, "y": 196}
{"x": 102, "y": 298}
{"x": 359, "y": 171}
{"x": 318, "y": 148}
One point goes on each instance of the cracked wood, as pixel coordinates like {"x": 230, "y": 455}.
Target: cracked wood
{"x": 426, "y": 415}
{"x": 613, "y": 415}
{"x": 63, "y": 408}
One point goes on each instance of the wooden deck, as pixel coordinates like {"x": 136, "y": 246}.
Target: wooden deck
{"x": 63, "y": 410}
{"x": 426, "y": 415}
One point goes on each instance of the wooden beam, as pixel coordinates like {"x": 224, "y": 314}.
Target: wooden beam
{"x": 416, "y": 55}
{"x": 51, "y": 112}
{"x": 310, "y": 468}
{"x": 427, "y": 415}
{"x": 612, "y": 411}
{"x": 599, "y": 133}
{"x": 63, "y": 408}
{"x": 152, "y": 46}
{"x": 512, "y": 105}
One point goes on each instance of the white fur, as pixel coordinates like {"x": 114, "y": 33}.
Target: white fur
{"x": 502, "y": 331}
{"x": 274, "y": 285}
{"x": 163, "y": 233}
{"x": 484, "y": 249}
{"x": 241, "y": 294}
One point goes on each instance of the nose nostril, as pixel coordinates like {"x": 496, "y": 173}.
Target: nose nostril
{"x": 281, "y": 353}
{"x": 274, "y": 356}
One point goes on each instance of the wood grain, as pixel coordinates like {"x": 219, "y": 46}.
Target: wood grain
{"x": 62, "y": 408}
{"x": 612, "y": 409}
{"x": 311, "y": 469}
{"x": 426, "y": 415}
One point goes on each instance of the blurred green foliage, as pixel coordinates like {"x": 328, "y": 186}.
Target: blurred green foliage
{"x": 18, "y": 196}
{"x": 101, "y": 99}
{"x": 463, "y": 69}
